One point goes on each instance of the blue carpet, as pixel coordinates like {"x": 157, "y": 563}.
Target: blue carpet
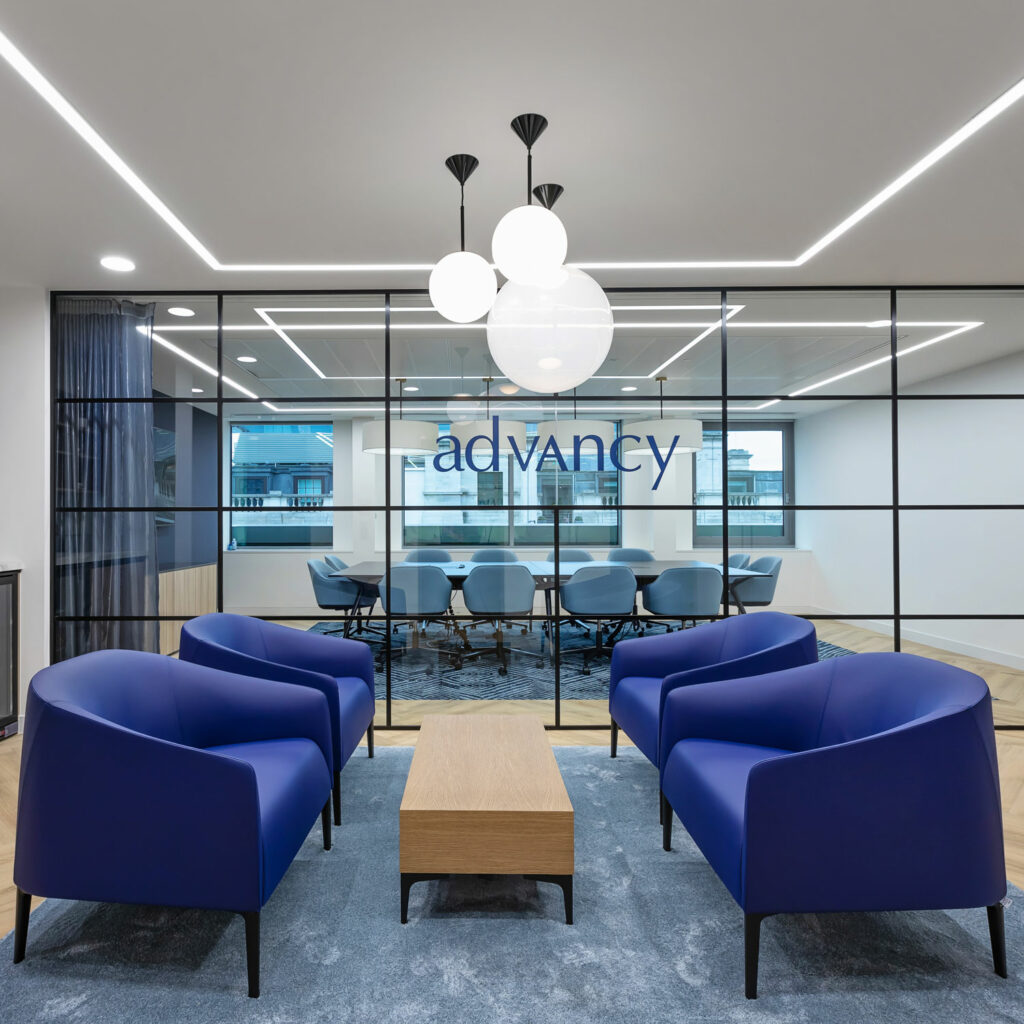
{"x": 657, "y": 939}
{"x": 428, "y": 676}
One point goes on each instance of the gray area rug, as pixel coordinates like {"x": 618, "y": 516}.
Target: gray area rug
{"x": 427, "y": 676}
{"x": 657, "y": 938}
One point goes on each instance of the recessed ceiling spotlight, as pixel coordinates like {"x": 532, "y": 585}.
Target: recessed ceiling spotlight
{"x": 410, "y": 387}
{"x": 629, "y": 387}
{"x": 119, "y": 263}
{"x": 247, "y": 359}
{"x": 197, "y": 391}
{"x": 509, "y": 389}
{"x": 181, "y": 311}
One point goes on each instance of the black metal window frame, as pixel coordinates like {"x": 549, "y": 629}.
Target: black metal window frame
{"x": 892, "y": 398}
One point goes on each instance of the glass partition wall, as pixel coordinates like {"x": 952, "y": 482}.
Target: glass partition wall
{"x": 345, "y": 462}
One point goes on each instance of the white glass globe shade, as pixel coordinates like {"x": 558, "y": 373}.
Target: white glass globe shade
{"x": 462, "y": 287}
{"x": 550, "y": 339}
{"x": 529, "y": 246}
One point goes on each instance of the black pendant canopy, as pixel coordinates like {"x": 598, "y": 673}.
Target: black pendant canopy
{"x": 547, "y": 194}
{"x": 462, "y": 165}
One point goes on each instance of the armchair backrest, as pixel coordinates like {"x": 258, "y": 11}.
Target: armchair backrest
{"x": 499, "y": 590}
{"x": 692, "y": 591}
{"x": 494, "y": 555}
{"x": 331, "y": 591}
{"x": 760, "y": 590}
{"x": 239, "y": 633}
{"x": 739, "y": 561}
{"x": 416, "y": 591}
{"x": 743, "y": 635}
{"x": 428, "y": 555}
{"x": 335, "y": 563}
{"x": 600, "y": 591}
{"x": 630, "y": 555}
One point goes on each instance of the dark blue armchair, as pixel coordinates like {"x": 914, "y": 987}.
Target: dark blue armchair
{"x": 861, "y": 783}
{"x": 646, "y": 670}
{"x": 148, "y": 780}
{"x": 342, "y": 670}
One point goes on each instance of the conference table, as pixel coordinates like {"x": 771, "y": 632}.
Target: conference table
{"x": 547, "y": 577}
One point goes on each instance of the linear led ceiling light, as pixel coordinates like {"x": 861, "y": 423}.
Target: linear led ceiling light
{"x": 45, "y": 89}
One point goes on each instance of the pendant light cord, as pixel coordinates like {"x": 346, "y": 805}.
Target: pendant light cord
{"x": 462, "y": 217}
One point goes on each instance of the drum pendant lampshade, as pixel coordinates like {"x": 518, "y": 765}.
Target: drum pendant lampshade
{"x": 408, "y": 437}
{"x": 664, "y": 431}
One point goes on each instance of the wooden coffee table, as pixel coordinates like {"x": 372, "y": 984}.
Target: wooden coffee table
{"x": 484, "y": 797}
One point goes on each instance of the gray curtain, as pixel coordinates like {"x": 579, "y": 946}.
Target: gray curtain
{"x": 106, "y": 562}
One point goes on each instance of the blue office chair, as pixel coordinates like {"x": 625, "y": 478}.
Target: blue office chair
{"x": 570, "y": 555}
{"x": 685, "y": 593}
{"x": 495, "y": 594}
{"x": 417, "y": 596}
{"x": 758, "y": 591}
{"x": 342, "y": 670}
{"x": 866, "y": 783}
{"x": 428, "y": 555}
{"x": 603, "y": 595}
{"x": 630, "y": 555}
{"x": 494, "y": 555}
{"x": 337, "y": 594}
{"x": 739, "y": 561}
{"x": 152, "y": 781}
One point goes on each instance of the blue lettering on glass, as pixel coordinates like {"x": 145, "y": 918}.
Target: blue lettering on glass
{"x": 550, "y": 451}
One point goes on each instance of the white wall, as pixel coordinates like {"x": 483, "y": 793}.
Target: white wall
{"x": 951, "y": 452}
{"x": 24, "y": 460}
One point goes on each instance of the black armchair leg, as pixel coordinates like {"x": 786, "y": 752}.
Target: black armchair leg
{"x": 325, "y": 821}
{"x": 666, "y": 823}
{"x": 336, "y": 794}
{"x": 252, "y": 950}
{"x": 615, "y": 738}
{"x": 22, "y": 906}
{"x": 997, "y": 933}
{"x": 369, "y": 740}
{"x": 751, "y": 951}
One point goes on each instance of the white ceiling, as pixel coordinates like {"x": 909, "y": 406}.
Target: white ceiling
{"x": 316, "y": 132}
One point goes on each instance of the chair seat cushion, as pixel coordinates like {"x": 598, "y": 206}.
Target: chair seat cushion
{"x": 355, "y": 709}
{"x": 706, "y": 784}
{"x": 293, "y": 783}
{"x": 635, "y": 705}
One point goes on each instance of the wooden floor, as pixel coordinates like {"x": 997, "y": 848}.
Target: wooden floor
{"x": 1007, "y": 686}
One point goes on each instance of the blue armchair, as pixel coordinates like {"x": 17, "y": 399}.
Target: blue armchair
{"x": 646, "y": 670}
{"x": 860, "y": 783}
{"x": 148, "y": 780}
{"x": 342, "y": 670}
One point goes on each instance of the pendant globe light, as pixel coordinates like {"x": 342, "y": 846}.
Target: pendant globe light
{"x": 690, "y": 433}
{"x": 529, "y": 244}
{"x": 508, "y": 430}
{"x": 408, "y": 437}
{"x": 462, "y": 285}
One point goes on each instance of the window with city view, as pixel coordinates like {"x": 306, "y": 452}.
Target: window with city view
{"x": 453, "y": 520}
{"x": 282, "y": 476}
{"x": 759, "y": 481}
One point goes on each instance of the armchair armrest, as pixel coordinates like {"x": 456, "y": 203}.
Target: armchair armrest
{"x": 109, "y": 814}
{"x": 779, "y": 709}
{"x": 660, "y": 656}
{"x": 216, "y": 707}
{"x": 906, "y": 819}
{"x": 330, "y": 655}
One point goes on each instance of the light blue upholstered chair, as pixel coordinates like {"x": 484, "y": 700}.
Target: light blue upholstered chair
{"x": 759, "y": 591}
{"x": 604, "y": 596}
{"x": 342, "y": 670}
{"x": 630, "y": 555}
{"x": 739, "y": 561}
{"x": 570, "y": 555}
{"x": 495, "y": 594}
{"x": 148, "y": 780}
{"x": 335, "y": 593}
{"x": 494, "y": 555}
{"x": 864, "y": 783}
{"x": 418, "y": 595}
{"x": 427, "y": 555}
{"x": 685, "y": 593}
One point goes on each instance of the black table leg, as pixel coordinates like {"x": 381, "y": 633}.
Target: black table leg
{"x": 565, "y": 881}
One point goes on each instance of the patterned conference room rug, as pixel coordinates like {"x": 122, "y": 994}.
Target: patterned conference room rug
{"x": 425, "y": 675}
{"x": 657, "y": 938}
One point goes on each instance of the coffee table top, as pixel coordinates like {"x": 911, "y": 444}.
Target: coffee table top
{"x": 483, "y": 762}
